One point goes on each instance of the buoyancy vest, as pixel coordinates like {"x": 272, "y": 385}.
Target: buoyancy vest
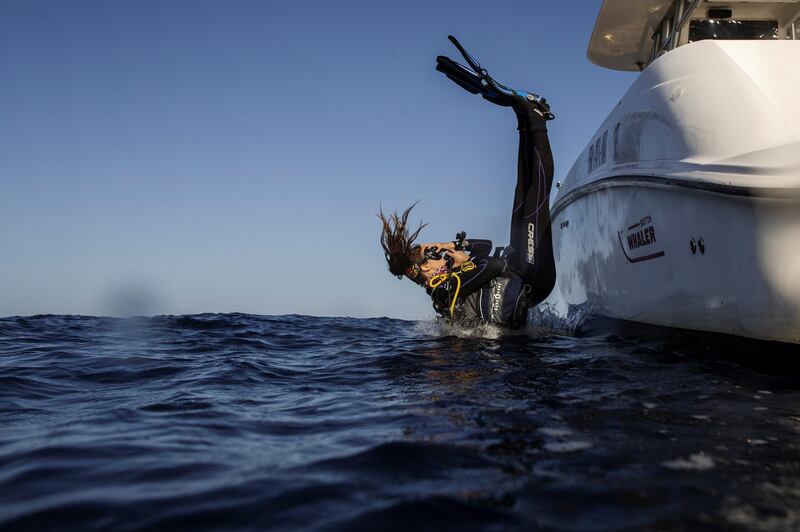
{"x": 502, "y": 301}
{"x": 485, "y": 293}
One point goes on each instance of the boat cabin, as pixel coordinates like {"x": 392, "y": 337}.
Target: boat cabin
{"x": 629, "y": 34}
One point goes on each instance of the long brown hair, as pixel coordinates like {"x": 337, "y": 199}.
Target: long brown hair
{"x": 397, "y": 241}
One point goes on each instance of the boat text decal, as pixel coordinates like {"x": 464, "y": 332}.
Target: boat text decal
{"x": 640, "y": 241}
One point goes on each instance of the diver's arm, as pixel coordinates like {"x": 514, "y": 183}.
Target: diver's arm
{"x": 475, "y": 246}
{"x": 485, "y": 270}
{"x": 473, "y": 278}
{"x": 471, "y": 281}
{"x": 478, "y": 247}
{"x": 458, "y": 258}
{"x": 443, "y": 246}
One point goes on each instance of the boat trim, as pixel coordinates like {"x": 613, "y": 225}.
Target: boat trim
{"x": 667, "y": 182}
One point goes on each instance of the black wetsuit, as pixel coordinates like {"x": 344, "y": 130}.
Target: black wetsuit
{"x": 500, "y": 289}
{"x": 485, "y": 289}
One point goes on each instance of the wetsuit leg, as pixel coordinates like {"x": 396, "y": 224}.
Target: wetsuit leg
{"x": 531, "y": 235}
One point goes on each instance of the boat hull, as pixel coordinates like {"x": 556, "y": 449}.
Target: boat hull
{"x": 680, "y": 255}
{"x": 704, "y": 147}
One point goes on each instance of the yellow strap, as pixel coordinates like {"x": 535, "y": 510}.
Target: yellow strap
{"x": 442, "y": 277}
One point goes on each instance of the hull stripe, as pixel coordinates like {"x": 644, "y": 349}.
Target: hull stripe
{"x": 670, "y": 183}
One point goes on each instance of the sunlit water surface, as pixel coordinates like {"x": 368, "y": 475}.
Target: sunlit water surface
{"x": 292, "y": 422}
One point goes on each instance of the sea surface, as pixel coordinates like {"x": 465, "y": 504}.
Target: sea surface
{"x": 303, "y": 423}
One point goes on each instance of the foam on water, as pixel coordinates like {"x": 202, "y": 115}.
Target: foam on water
{"x": 699, "y": 461}
{"x": 440, "y": 327}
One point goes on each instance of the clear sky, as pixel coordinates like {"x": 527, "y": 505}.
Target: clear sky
{"x": 218, "y": 156}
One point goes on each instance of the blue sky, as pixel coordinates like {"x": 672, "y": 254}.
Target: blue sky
{"x": 208, "y": 156}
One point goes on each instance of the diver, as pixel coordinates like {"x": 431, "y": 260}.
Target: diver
{"x": 466, "y": 283}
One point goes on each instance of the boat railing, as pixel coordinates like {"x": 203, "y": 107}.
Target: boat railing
{"x": 667, "y": 35}
{"x": 668, "y": 32}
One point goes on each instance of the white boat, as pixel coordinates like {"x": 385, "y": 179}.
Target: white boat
{"x": 684, "y": 209}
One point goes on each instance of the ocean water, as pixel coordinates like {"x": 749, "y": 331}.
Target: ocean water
{"x": 292, "y": 422}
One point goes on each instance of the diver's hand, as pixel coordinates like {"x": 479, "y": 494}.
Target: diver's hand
{"x": 458, "y": 257}
{"x": 440, "y": 245}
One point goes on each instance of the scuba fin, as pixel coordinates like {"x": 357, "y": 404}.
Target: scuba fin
{"x": 477, "y": 80}
{"x": 461, "y": 75}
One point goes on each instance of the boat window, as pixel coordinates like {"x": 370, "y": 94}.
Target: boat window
{"x": 598, "y": 152}
{"x": 616, "y": 142}
{"x": 603, "y": 149}
{"x": 722, "y": 29}
{"x": 591, "y": 158}
{"x": 596, "y": 162}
